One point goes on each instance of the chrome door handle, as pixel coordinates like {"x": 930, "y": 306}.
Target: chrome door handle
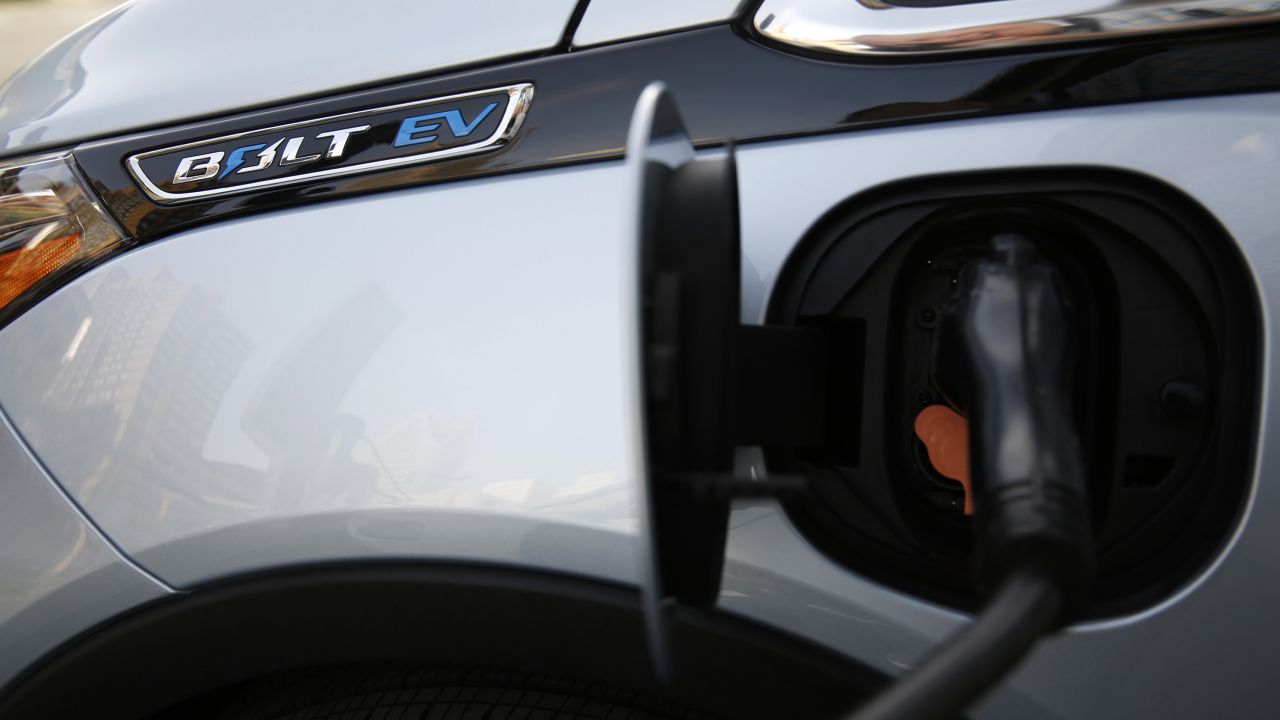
{"x": 878, "y": 28}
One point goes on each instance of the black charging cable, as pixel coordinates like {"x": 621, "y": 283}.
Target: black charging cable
{"x": 1004, "y": 359}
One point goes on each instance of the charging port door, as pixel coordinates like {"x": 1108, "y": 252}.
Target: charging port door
{"x": 687, "y": 288}
{"x": 697, "y": 363}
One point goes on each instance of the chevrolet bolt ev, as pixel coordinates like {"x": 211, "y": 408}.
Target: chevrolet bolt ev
{"x": 670, "y": 359}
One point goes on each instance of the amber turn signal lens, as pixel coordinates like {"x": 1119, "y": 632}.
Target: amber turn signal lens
{"x": 49, "y": 222}
{"x": 24, "y": 267}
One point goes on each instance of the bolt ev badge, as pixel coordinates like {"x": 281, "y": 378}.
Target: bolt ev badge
{"x": 361, "y": 141}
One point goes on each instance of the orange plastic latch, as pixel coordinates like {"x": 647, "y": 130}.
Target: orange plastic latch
{"x": 945, "y": 434}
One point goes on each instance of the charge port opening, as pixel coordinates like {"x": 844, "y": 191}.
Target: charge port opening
{"x": 1165, "y": 406}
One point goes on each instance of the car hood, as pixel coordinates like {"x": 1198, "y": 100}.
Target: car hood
{"x": 154, "y": 62}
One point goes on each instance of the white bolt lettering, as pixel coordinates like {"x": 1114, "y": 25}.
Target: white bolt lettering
{"x": 338, "y": 143}
{"x": 265, "y": 158}
{"x": 198, "y": 167}
{"x": 290, "y": 154}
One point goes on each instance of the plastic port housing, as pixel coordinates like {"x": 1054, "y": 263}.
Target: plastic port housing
{"x": 1166, "y": 391}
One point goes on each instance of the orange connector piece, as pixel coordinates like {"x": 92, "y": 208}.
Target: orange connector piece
{"x": 945, "y": 434}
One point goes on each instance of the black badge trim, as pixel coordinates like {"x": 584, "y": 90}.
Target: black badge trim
{"x": 370, "y": 149}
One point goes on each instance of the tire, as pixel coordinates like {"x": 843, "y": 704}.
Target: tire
{"x": 432, "y": 693}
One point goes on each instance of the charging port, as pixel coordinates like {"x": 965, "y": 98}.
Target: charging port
{"x": 1164, "y": 375}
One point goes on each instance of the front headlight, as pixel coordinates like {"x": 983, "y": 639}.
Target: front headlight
{"x": 50, "y": 225}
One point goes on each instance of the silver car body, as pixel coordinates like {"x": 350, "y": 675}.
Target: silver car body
{"x": 444, "y": 372}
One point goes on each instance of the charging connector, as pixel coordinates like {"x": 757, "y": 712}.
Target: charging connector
{"x": 1005, "y": 362}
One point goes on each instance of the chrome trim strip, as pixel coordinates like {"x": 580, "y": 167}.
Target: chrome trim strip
{"x": 520, "y": 96}
{"x": 876, "y": 28}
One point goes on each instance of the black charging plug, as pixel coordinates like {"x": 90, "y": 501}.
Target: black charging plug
{"x": 1005, "y": 360}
